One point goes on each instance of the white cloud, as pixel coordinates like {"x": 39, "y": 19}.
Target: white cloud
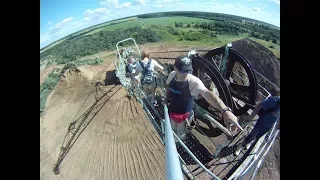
{"x": 173, "y": 4}
{"x": 125, "y": 4}
{"x": 276, "y": 1}
{"x": 238, "y": 6}
{"x": 256, "y": 9}
{"x": 95, "y": 14}
{"x": 61, "y": 24}
{"x": 166, "y": 1}
{"x": 110, "y": 3}
{"x": 158, "y": 6}
{"x": 229, "y": 5}
{"x": 212, "y": 3}
{"x": 115, "y": 4}
{"x": 242, "y": 7}
{"x": 49, "y": 22}
{"x": 263, "y": 4}
{"x": 140, "y": 2}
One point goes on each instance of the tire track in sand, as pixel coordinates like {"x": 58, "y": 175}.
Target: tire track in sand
{"x": 119, "y": 142}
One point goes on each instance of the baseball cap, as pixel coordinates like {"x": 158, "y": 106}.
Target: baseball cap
{"x": 183, "y": 64}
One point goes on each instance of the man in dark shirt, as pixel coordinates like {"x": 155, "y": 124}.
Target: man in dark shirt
{"x": 268, "y": 112}
{"x": 182, "y": 87}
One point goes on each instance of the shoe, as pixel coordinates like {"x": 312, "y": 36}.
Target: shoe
{"x": 238, "y": 150}
{"x": 246, "y": 147}
{"x": 155, "y": 103}
{"x": 183, "y": 137}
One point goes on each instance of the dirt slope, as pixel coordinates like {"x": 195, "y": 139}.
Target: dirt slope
{"x": 261, "y": 59}
{"x": 119, "y": 142}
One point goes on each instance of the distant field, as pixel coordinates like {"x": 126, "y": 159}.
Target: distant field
{"x": 94, "y": 29}
{"x": 104, "y": 36}
{"x": 144, "y": 23}
{"x": 158, "y": 25}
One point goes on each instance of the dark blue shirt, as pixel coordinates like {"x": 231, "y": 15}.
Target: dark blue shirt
{"x": 266, "y": 117}
{"x": 181, "y": 99}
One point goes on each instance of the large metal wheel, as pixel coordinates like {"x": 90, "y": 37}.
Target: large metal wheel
{"x": 240, "y": 79}
{"x": 212, "y": 79}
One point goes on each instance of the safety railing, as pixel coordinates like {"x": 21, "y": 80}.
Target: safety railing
{"x": 173, "y": 167}
{"x": 254, "y": 160}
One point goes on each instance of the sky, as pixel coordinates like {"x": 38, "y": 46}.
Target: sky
{"x": 59, "y": 18}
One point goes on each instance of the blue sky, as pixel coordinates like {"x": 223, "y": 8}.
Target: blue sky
{"x": 59, "y": 18}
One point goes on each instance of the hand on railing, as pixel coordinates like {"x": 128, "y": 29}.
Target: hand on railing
{"x": 164, "y": 102}
{"x": 230, "y": 120}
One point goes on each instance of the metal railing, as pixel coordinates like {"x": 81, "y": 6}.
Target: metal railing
{"x": 173, "y": 167}
{"x": 257, "y": 157}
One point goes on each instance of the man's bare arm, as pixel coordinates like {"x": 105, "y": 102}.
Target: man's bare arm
{"x": 213, "y": 99}
{"x": 160, "y": 69}
{"x": 216, "y": 102}
{"x": 166, "y": 86}
{"x": 158, "y": 66}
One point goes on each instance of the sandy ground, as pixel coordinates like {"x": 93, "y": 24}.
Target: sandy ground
{"x": 119, "y": 143}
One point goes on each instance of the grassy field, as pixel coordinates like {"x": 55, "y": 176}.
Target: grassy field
{"x": 159, "y": 25}
{"x": 171, "y": 35}
{"x": 102, "y": 26}
{"x": 145, "y": 23}
{"x": 267, "y": 44}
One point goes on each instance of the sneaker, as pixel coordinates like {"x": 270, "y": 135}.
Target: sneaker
{"x": 183, "y": 137}
{"x": 155, "y": 103}
{"x": 238, "y": 150}
{"x": 246, "y": 147}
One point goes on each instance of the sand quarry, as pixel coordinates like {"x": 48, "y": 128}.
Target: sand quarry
{"x": 118, "y": 143}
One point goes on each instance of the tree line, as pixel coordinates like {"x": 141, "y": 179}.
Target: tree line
{"x": 225, "y": 24}
{"x": 231, "y": 28}
{"x": 80, "y": 46}
{"x": 203, "y": 15}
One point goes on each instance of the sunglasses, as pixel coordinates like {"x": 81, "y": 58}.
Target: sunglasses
{"x": 185, "y": 72}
